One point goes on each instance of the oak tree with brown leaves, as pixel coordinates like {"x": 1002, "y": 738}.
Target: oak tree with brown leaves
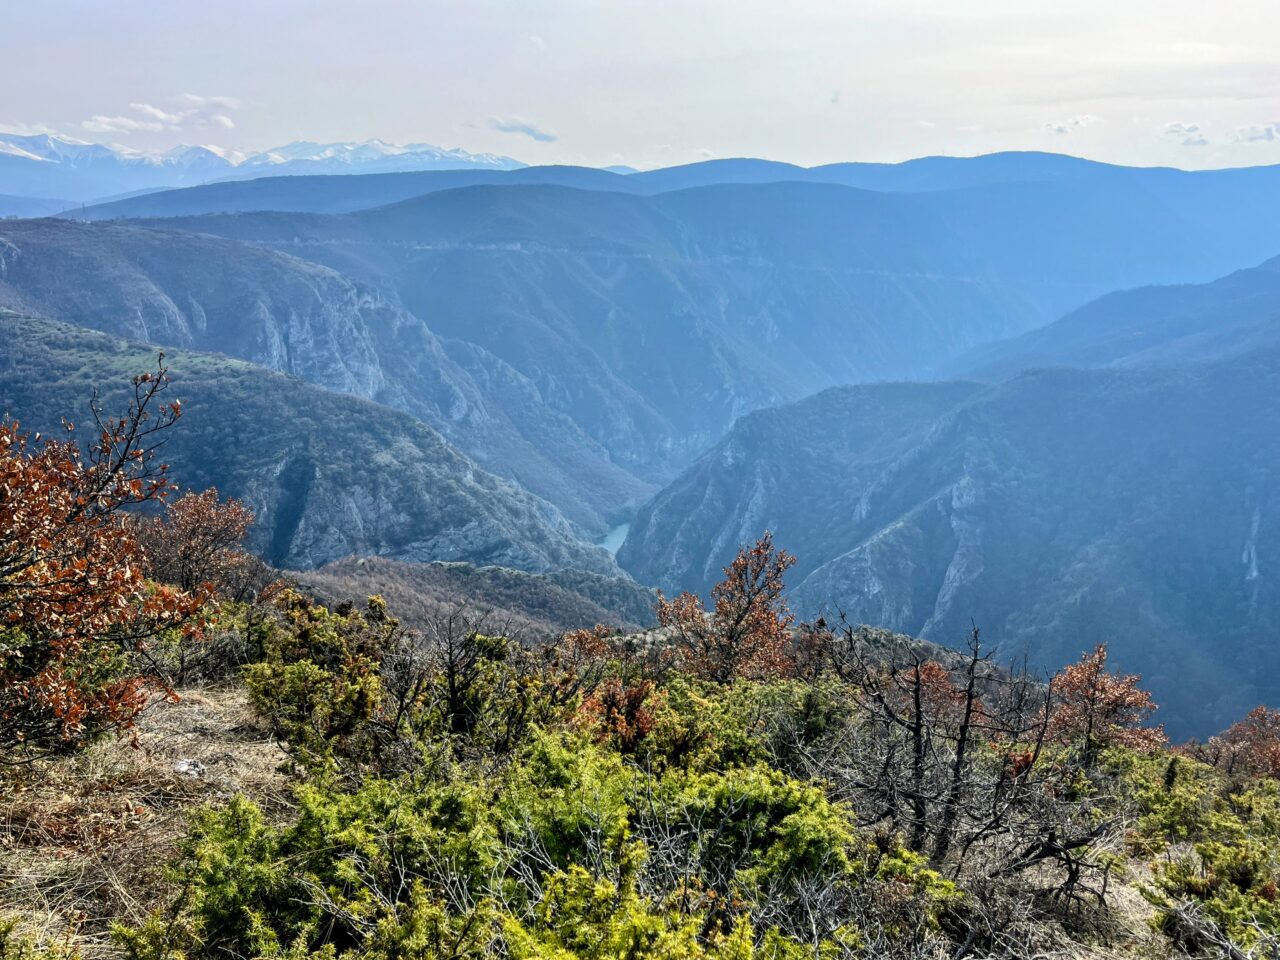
{"x": 748, "y": 631}
{"x": 76, "y": 609}
{"x": 1097, "y": 709}
{"x": 1248, "y": 748}
{"x": 196, "y": 544}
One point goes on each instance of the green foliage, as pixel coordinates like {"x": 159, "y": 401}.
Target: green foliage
{"x": 569, "y": 800}
{"x": 372, "y": 869}
{"x": 763, "y": 827}
{"x": 1177, "y": 798}
{"x": 1220, "y": 878}
{"x": 581, "y": 916}
{"x": 318, "y": 680}
{"x": 17, "y": 945}
{"x": 1235, "y": 884}
{"x": 518, "y": 829}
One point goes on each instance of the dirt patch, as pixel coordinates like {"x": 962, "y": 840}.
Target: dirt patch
{"x": 85, "y": 839}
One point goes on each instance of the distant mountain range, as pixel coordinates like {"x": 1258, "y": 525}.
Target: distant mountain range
{"x": 49, "y": 166}
{"x": 1059, "y": 231}
{"x": 927, "y": 174}
{"x": 517, "y": 360}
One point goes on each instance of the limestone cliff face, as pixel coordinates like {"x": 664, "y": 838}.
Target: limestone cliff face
{"x": 327, "y": 474}
{"x": 243, "y": 300}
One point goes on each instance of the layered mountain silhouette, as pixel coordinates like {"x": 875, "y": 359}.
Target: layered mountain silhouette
{"x": 1060, "y": 229}
{"x": 1162, "y": 325}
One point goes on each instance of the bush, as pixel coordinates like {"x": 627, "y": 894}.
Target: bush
{"x": 75, "y": 608}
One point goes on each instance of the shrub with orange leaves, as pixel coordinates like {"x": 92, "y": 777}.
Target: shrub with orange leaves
{"x": 618, "y": 711}
{"x": 76, "y": 609}
{"x": 1098, "y": 709}
{"x": 196, "y": 544}
{"x": 1250, "y": 747}
{"x": 748, "y": 632}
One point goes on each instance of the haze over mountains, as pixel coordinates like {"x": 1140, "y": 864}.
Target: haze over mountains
{"x": 544, "y": 348}
{"x": 61, "y": 170}
{"x": 298, "y": 317}
{"x": 1136, "y": 505}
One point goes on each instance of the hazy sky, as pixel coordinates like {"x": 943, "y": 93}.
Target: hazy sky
{"x": 1192, "y": 83}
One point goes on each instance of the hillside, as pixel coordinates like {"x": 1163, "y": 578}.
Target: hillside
{"x": 11, "y": 206}
{"x": 1173, "y": 324}
{"x": 333, "y": 193}
{"x": 585, "y": 799}
{"x": 653, "y": 322}
{"x": 274, "y": 310}
{"x": 1060, "y": 509}
{"x": 534, "y": 606}
{"x": 328, "y": 475}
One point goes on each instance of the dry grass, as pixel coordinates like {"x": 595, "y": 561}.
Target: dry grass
{"x": 84, "y": 839}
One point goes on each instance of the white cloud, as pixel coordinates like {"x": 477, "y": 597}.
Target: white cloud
{"x": 221, "y": 103}
{"x": 926, "y": 124}
{"x": 26, "y": 129}
{"x": 102, "y": 124}
{"x": 537, "y": 42}
{"x": 147, "y": 110}
{"x": 1188, "y": 134}
{"x": 190, "y": 110}
{"x": 1061, "y": 127}
{"x": 1258, "y": 133}
{"x": 526, "y": 128}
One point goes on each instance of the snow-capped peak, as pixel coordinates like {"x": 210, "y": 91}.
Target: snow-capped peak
{"x": 57, "y": 166}
{"x": 202, "y": 154}
{"x": 48, "y": 146}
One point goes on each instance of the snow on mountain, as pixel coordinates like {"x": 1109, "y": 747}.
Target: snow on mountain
{"x": 370, "y": 156}
{"x": 203, "y": 154}
{"x": 54, "y": 149}
{"x": 47, "y": 165}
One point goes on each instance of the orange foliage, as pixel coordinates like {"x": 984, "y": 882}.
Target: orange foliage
{"x": 74, "y": 601}
{"x": 939, "y": 694}
{"x": 1099, "y": 709}
{"x": 748, "y": 631}
{"x": 618, "y": 711}
{"x": 195, "y": 546}
{"x": 1252, "y": 745}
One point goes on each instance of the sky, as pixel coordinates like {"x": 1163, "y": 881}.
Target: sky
{"x": 1188, "y": 83}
